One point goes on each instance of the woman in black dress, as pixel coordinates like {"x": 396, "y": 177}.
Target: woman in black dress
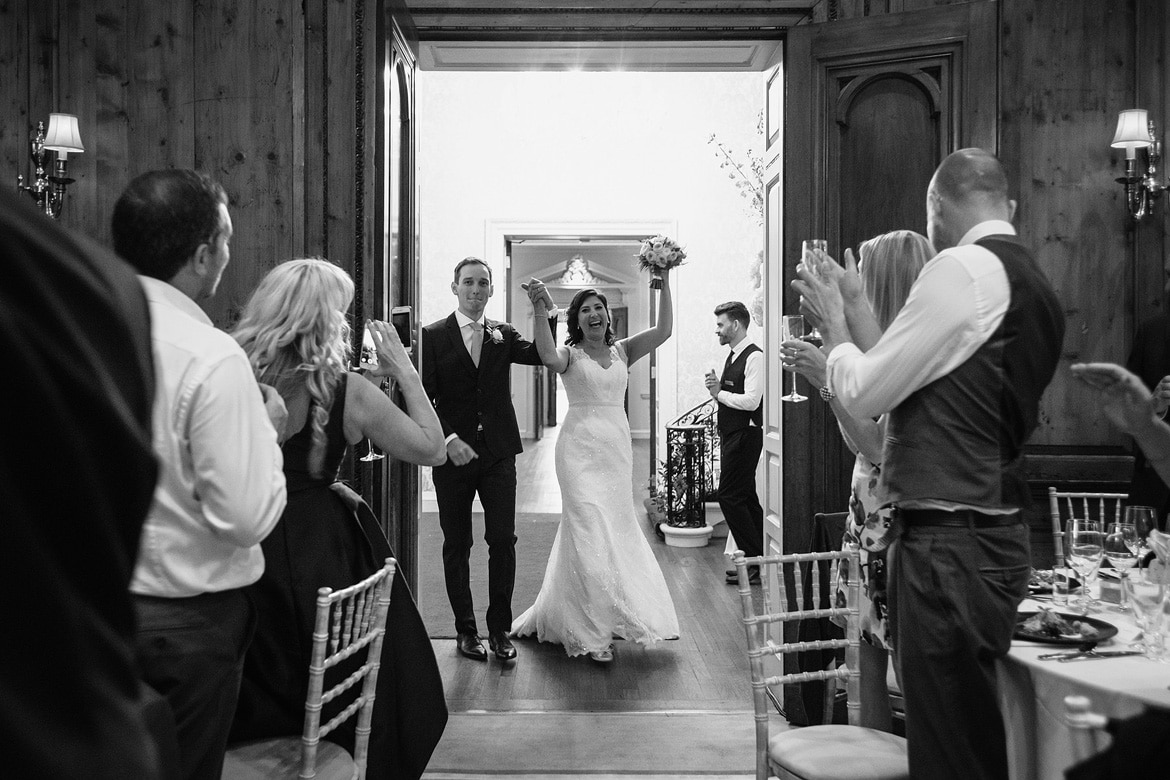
{"x": 296, "y": 334}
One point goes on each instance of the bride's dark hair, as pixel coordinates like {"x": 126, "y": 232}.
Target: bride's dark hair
{"x": 575, "y": 334}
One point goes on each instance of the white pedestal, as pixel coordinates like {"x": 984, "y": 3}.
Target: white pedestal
{"x": 685, "y": 537}
{"x": 715, "y": 521}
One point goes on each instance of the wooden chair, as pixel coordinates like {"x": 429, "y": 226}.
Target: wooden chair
{"x": 1087, "y": 727}
{"x": 835, "y": 752}
{"x": 1105, "y": 507}
{"x": 347, "y": 622}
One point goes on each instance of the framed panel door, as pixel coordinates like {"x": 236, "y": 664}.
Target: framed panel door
{"x": 871, "y": 107}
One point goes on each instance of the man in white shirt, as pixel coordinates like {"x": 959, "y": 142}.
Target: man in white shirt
{"x": 960, "y": 370}
{"x": 220, "y": 489}
{"x": 739, "y": 393}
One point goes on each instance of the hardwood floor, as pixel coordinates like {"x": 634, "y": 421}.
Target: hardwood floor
{"x": 704, "y": 670}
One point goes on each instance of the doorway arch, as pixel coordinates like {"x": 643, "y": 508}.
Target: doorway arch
{"x": 500, "y": 233}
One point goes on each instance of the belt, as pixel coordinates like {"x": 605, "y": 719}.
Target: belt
{"x": 961, "y": 518}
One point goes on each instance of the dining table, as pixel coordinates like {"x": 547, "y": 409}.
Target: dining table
{"x": 1032, "y": 691}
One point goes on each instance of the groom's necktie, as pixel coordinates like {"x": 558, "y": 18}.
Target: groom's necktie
{"x": 476, "y": 346}
{"x": 727, "y": 363}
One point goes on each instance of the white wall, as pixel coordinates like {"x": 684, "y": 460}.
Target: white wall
{"x": 594, "y": 146}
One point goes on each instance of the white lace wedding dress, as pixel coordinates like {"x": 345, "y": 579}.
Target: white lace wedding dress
{"x": 602, "y": 578}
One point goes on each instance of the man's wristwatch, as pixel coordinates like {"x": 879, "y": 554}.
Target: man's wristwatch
{"x": 827, "y": 394}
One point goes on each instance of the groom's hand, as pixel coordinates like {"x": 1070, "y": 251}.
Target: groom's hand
{"x": 460, "y": 452}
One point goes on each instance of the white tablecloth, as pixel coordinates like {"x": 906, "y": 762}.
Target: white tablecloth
{"x": 1032, "y": 693}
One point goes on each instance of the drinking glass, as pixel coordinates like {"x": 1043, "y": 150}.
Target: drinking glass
{"x": 1120, "y": 548}
{"x": 1147, "y": 598}
{"x": 1143, "y": 519}
{"x": 807, "y": 247}
{"x": 1085, "y": 554}
{"x": 792, "y": 327}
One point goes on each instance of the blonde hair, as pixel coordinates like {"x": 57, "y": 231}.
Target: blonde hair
{"x": 888, "y": 266}
{"x": 295, "y": 333}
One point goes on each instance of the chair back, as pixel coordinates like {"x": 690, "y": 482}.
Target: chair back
{"x": 1104, "y": 507}
{"x": 1087, "y": 728}
{"x": 764, "y": 627}
{"x": 347, "y": 621}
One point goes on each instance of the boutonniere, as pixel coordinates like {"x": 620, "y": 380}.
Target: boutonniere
{"x": 496, "y": 336}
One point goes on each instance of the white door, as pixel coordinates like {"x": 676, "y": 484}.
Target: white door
{"x": 772, "y": 496}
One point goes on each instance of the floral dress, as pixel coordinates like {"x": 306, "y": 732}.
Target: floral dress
{"x": 868, "y": 526}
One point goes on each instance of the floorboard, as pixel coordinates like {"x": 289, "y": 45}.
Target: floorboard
{"x": 705, "y": 669}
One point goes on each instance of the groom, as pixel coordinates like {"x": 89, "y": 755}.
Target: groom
{"x": 466, "y": 370}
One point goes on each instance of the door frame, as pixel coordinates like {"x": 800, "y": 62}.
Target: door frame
{"x": 500, "y": 233}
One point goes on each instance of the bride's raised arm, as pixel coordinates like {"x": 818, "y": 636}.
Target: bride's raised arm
{"x": 641, "y": 344}
{"x": 555, "y": 358}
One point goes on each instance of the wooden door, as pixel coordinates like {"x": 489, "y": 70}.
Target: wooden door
{"x": 391, "y": 486}
{"x": 871, "y": 107}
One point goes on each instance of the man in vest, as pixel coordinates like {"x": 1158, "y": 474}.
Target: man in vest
{"x": 739, "y": 392}
{"x": 960, "y": 370}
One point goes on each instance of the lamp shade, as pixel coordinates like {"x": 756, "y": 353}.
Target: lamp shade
{"x": 63, "y": 135}
{"x": 1133, "y": 130}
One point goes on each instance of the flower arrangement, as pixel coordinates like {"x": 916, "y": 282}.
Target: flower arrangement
{"x": 657, "y": 254}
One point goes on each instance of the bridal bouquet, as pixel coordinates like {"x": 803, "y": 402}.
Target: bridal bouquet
{"x": 657, "y": 254}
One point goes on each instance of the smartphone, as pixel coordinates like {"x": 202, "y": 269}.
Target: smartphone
{"x": 402, "y": 318}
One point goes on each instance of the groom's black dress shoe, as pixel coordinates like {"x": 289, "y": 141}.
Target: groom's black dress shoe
{"x": 502, "y": 646}
{"x": 470, "y": 647}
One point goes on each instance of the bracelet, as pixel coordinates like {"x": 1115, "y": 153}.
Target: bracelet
{"x": 827, "y": 394}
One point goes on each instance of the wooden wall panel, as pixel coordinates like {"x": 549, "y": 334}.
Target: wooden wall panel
{"x": 1063, "y": 83}
{"x": 14, "y": 82}
{"x": 160, "y": 87}
{"x": 109, "y": 155}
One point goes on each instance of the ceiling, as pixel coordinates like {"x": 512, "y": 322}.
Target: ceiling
{"x": 710, "y": 35}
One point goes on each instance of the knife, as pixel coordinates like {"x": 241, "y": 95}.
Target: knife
{"x": 1095, "y": 654}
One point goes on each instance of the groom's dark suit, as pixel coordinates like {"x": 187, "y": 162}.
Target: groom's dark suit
{"x": 476, "y": 405}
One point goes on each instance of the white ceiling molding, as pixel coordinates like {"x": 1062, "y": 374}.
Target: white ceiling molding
{"x": 728, "y": 56}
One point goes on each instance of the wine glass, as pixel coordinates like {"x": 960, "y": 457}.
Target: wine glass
{"x": 1147, "y": 598}
{"x": 1143, "y": 519}
{"x": 1085, "y": 554}
{"x": 1121, "y": 547}
{"x": 792, "y": 328}
{"x": 368, "y": 361}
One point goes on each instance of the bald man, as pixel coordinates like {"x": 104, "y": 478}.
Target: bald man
{"x": 960, "y": 371}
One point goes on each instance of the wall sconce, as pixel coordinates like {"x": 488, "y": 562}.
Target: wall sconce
{"x": 62, "y": 137}
{"x": 1135, "y": 131}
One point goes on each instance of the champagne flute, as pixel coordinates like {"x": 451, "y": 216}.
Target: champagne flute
{"x": 807, "y": 247}
{"x": 792, "y": 328}
{"x": 1120, "y": 547}
{"x": 368, "y": 361}
{"x": 1085, "y": 554}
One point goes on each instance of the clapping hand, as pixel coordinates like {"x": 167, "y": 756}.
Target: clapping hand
{"x": 820, "y": 284}
{"x": 801, "y": 357}
{"x": 392, "y": 358}
{"x": 1124, "y": 399}
{"x": 1162, "y": 396}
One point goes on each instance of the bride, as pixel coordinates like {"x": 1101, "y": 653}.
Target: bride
{"x": 602, "y": 580}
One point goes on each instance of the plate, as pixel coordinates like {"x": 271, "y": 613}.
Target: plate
{"x": 1104, "y": 630}
{"x": 1041, "y": 581}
